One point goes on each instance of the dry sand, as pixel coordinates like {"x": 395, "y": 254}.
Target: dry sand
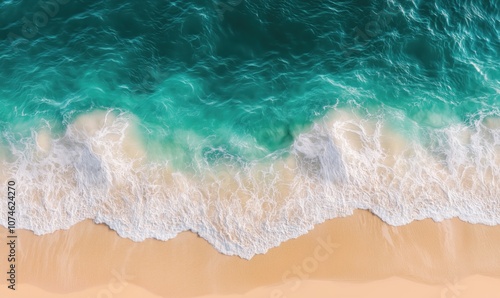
{"x": 356, "y": 256}
{"x": 471, "y": 287}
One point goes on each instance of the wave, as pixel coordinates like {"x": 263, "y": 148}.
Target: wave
{"x": 99, "y": 169}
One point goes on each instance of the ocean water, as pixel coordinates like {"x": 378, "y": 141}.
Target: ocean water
{"x": 248, "y": 122}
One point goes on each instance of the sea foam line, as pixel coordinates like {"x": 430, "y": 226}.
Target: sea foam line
{"x": 99, "y": 170}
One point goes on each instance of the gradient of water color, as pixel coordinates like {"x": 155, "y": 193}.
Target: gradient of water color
{"x": 249, "y": 121}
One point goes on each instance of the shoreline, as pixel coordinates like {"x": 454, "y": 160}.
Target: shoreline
{"x": 99, "y": 170}
{"x": 359, "y": 249}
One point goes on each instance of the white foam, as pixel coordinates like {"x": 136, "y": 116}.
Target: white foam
{"x": 99, "y": 170}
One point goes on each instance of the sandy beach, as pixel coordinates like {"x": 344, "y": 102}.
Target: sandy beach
{"x": 356, "y": 256}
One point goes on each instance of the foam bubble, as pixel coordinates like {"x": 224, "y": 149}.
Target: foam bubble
{"x": 99, "y": 170}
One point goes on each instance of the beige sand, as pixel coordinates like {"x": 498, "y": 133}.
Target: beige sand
{"x": 470, "y": 287}
{"x": 357, "y": 256}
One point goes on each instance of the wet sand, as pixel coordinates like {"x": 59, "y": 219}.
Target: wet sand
{"x": 356, "y": 256}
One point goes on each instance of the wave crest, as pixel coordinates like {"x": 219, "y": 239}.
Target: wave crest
{"x": 100, "y": 170}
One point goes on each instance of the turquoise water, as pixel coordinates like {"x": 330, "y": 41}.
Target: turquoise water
{"x": 263, "y": 71}
{"x": 240, "y": 83}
